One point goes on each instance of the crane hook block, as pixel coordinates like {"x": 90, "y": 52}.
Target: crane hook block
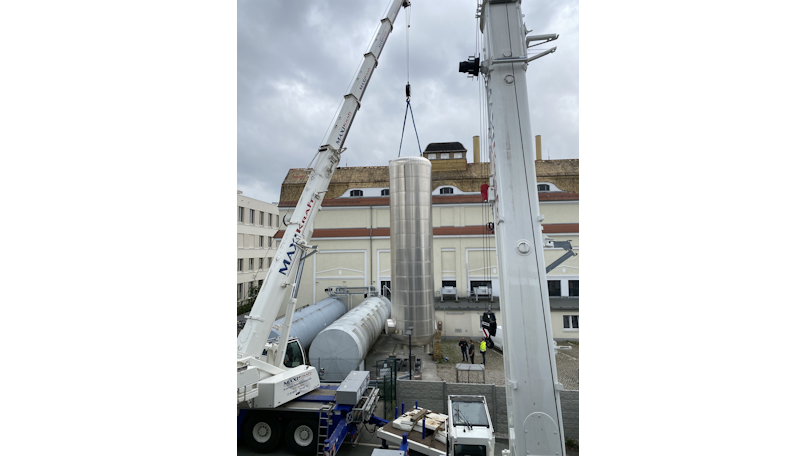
{"x": 408, "y": 90}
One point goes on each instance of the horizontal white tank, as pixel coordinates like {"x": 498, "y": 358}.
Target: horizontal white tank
{"x": 311, "y": 320}
{"x": 341, "y": 348}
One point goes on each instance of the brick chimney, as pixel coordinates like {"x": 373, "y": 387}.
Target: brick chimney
{"x": 538, "y": 149}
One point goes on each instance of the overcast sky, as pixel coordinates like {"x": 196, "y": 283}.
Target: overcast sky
{"x": 297, "y": 59}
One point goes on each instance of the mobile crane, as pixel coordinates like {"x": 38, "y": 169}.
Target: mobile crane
{"x": 532, "y": 387}
{"x": 267, "y": 390}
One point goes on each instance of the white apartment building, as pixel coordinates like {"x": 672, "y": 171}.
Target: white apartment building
{"x": 256, "y": 224}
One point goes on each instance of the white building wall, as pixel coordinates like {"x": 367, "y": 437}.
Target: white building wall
{"x": 365, "y": 261}
{"x": 254, "y": 240}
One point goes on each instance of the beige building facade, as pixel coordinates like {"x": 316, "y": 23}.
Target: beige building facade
{"x": 256, "y": 225}
{"x": 352, "y": 235}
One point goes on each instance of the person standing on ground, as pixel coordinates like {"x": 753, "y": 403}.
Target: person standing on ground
{"x": 463, "y": 345}
{"x": 472, "y": 353}
{"x": 484, "y": 352}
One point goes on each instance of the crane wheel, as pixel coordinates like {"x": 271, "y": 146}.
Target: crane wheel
{"x": 261, "y": 431}
{"x": 302, "y": 436}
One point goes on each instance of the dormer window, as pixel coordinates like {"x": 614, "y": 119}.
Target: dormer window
{"x": 543, "y": 187}
{"x": 446, "y": 191}
{"x": 356, "y": 193}
{"x": 384, "y": 192}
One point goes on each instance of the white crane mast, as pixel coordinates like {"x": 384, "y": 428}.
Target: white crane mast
{"x": 251, "y": 341}
{"x": 532, "y": 389}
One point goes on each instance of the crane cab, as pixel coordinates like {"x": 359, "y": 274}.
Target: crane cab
{"x": 469, "y": 427}
{"x": 294, "y": 357}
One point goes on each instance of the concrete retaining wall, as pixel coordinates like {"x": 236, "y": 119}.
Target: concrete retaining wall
{"x": 569, "y": 400}
{"x": 433, "y": 396}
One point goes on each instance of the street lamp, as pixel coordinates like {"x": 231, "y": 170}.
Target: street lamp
{"x": 410, "y": 357}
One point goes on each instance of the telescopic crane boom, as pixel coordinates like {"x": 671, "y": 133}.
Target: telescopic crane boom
{"x": 532, "y": 389}
{"x": 251, "y": 341}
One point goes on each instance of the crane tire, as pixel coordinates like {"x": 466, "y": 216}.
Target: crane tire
{"x": 302, "y": 436}
{"x": 261, "y": 432}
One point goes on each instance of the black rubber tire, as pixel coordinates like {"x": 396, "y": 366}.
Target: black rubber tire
{"x": 295, "y": 446}
{"x": 257, "y": 425}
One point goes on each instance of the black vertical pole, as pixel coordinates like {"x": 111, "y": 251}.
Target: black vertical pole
{"x": 410, "y": 356}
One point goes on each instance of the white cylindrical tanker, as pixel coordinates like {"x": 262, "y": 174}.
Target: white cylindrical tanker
{"x": 341, "y": 348}
{"x": 311, "y": 320}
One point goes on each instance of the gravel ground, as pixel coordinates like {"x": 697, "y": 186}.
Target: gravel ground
{"x": 567, "y": 365}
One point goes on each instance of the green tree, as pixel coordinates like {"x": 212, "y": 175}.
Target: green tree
{"x": 246, "y": 303}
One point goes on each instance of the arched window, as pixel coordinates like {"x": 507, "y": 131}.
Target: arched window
{"x": 446, "y": 191}
{"x": 356, "y": 193}
{"x": 543, "y": 187}
{"x": 384, "y": 192}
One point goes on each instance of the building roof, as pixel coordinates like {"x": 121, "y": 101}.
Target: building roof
{"x": 445, "y": 147}
{"x": 562, "y": 173}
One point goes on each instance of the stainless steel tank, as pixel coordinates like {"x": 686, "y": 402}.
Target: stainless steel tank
{"x": 411, "y": 249}
{"x": 342, "y": 347}
{"x": 311, "y": 320}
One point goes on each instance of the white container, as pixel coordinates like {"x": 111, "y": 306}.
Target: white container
{"x": 342, "y": 347}
{"x": 311, "y": 320}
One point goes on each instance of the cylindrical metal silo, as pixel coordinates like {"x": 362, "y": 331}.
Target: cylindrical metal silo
{"x": 340, "y": 348}
{"x": 311, "y": 320}
{"x": 411, "y": 249}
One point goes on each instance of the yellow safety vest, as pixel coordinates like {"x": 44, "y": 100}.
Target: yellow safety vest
{"x": 483, "y": 346}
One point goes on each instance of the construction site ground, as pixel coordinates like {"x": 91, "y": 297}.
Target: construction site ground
{"x": 567, "y": 365}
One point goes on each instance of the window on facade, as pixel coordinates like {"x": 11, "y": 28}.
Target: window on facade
{"x": 261, "y": 260}
{"x": 448, "y": 283}
{"x": 261, "y": 218}
{"x": 260, "y": 284}
{"x": 554, "y": 288}
{"x": 573, "y": 288}
{"x": 356, "y": 193}
{"x": 239, "y": 291}
{"x": 543, "y": 187}
{"x": 431, "y": 156}
{"x": 252, "y": 216}
{"x": 277, "y": 221}
{"x": 239, "y": 265}
{"x": 571, "y": 322}
{"x": 458, "y": 154}
{"x": 241, "y": 214}
{"x": 261, "y": 241}
{"x": 384, "y": 192}
{"x": 445, "y": 155}
{"x": 446, "y": 191}
{"x": 480, "y": 288}
{"x": 250, "y": 262}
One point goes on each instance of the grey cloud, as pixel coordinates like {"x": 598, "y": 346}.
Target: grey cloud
{"x": 296, "y": 59}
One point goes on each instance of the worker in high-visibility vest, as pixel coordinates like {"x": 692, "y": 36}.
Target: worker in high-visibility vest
{"x": 483, "y": 352}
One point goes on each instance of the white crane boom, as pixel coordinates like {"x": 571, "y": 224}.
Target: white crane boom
{"x": 532, "y": 389}
{"x": 251, "y": 341}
